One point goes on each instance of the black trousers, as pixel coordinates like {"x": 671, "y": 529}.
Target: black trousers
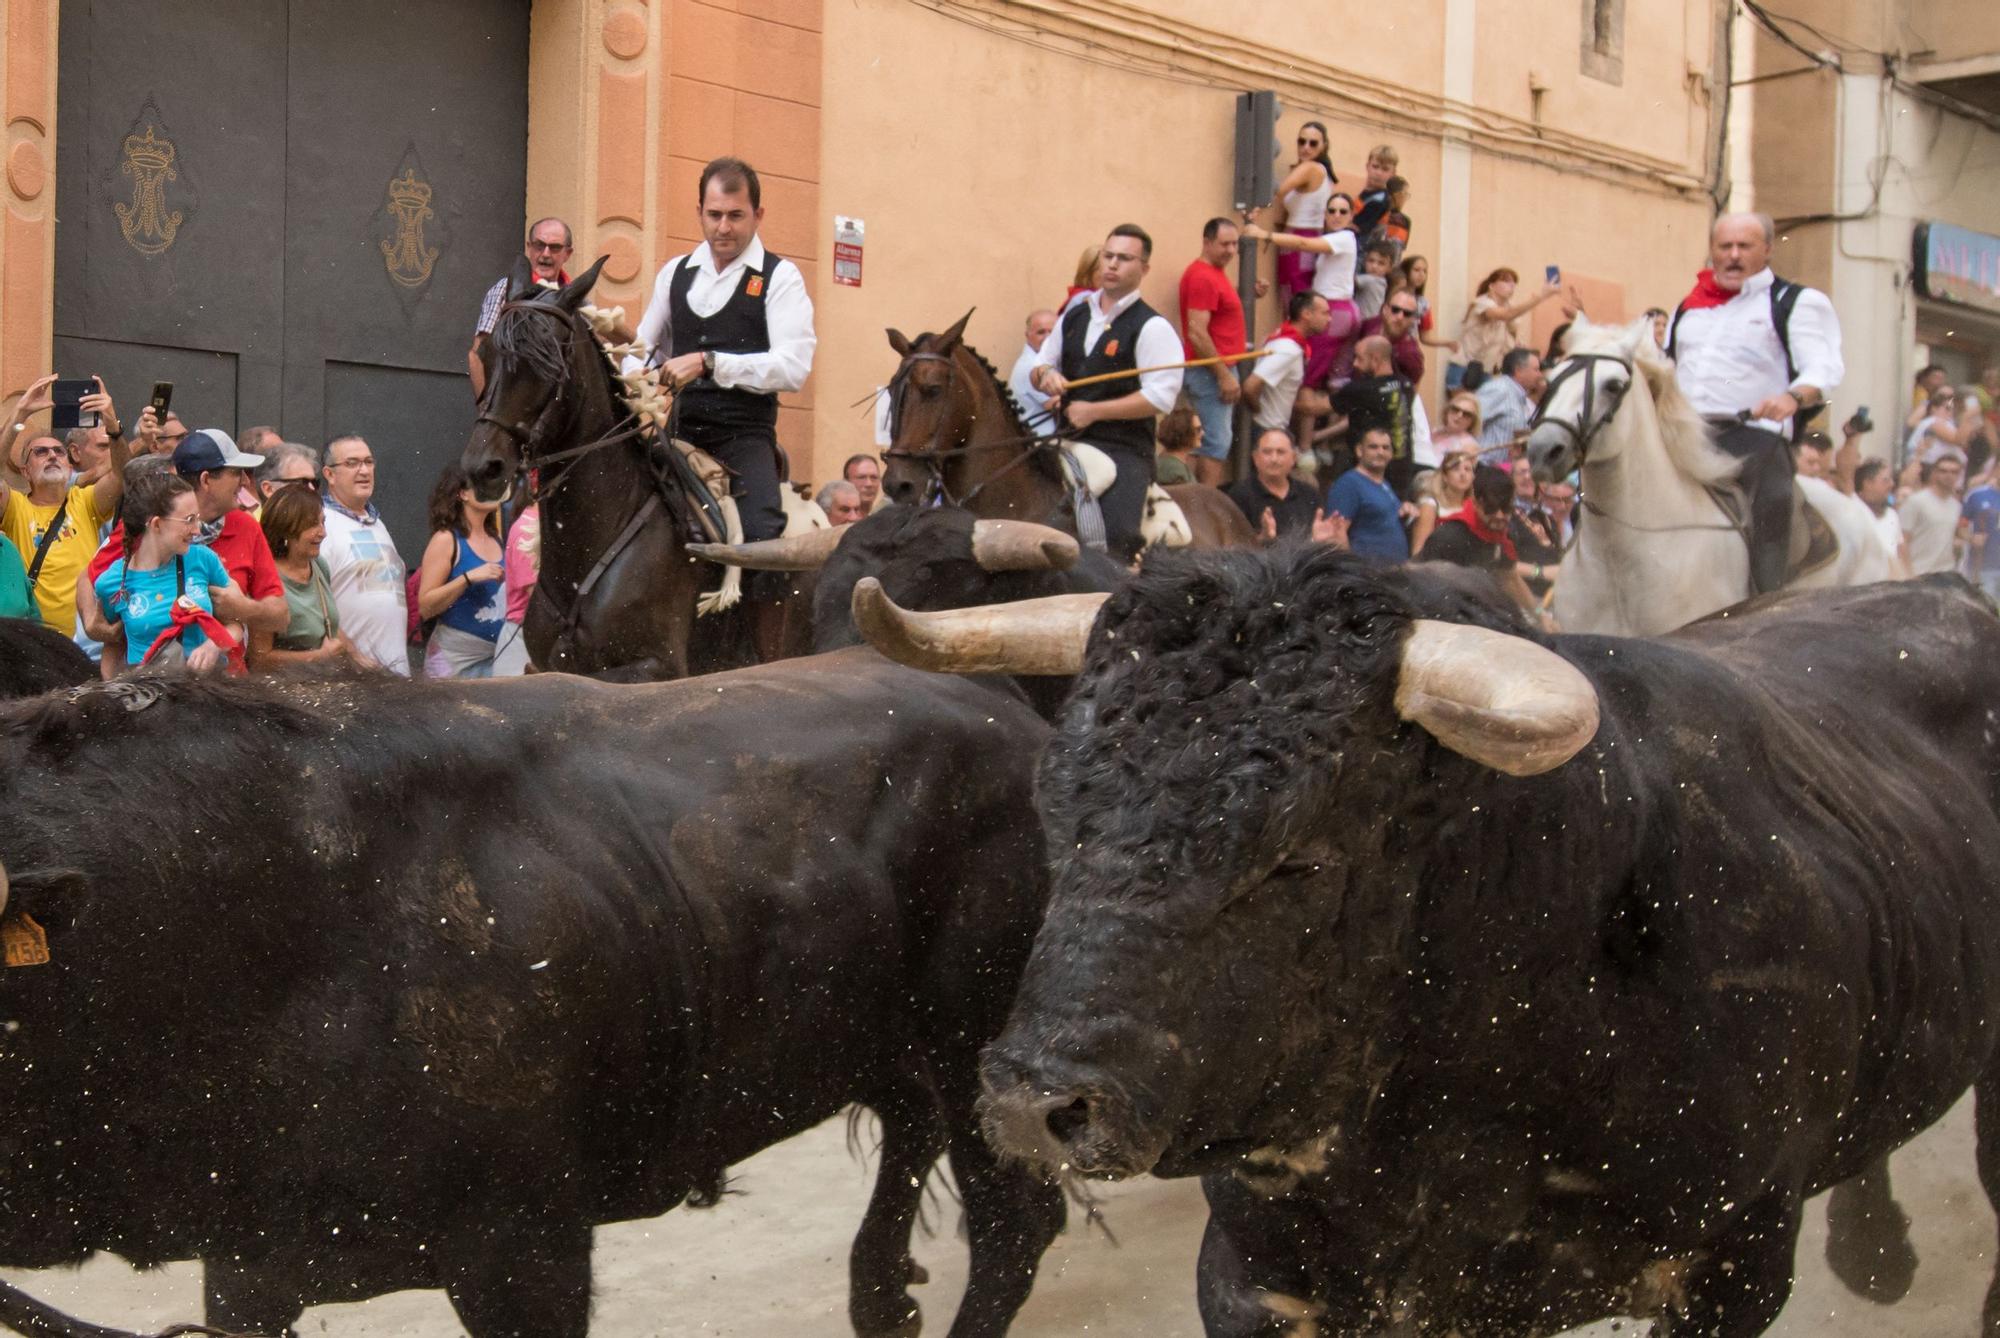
{"x": 751, "y": 454}
{"x": 1766, "y": 480}
{"x": 1124, "y": 502}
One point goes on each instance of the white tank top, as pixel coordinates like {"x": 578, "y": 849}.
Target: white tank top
{"x": 1307, "y": 208}
{"x": 1333, "y": 276}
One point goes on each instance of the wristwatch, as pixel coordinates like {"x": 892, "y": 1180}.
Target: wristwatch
{"x": 708, "y": 362}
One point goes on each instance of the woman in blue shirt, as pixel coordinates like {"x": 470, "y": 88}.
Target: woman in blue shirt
{"x": 161, "y": 566}
{"x": 460, "y": 584}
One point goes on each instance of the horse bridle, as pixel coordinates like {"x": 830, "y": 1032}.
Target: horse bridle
{"x": 935, "y": 457}
{"x": 1587, "y": 425}
{"x": 526, "y": 435}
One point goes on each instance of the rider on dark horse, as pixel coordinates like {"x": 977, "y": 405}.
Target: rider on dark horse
{"x": 1113, "y": 330}
{"x": 1756, "y": 356}
{"x": 731, "y": 327}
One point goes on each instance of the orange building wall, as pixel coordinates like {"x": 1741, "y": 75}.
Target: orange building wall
{"x": 27, "y": 233}
{"x": 628, "y": 99}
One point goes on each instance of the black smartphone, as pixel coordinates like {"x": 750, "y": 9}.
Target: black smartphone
{"x": 1861, "y": 422}
{"x": 1554, "y": 273}
{"x": 163, "y": 398}
{"x": 68, "y": 411}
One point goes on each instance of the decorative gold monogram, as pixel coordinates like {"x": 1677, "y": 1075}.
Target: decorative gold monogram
{"x": 408, "y": 260}
{"x": 146, "y": 222}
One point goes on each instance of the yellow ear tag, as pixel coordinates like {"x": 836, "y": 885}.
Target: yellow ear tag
{"x": 26, "y": 943}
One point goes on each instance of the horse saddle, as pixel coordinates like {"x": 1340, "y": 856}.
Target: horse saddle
{"x": 702, "y": 480}
{"x": 1813, "y": 542}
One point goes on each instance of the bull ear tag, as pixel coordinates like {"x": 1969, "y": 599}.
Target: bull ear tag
{"x": 25, "y": 943}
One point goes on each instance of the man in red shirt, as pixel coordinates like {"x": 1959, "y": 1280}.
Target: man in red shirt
{"x": 209, "y": 460}
{"x": 1212, "y": 325}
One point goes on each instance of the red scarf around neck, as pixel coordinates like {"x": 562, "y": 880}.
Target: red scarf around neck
{"x": 1287, "y": 330}
{"x": 1469, "y": 516}
{"x": 1707, "y": 292}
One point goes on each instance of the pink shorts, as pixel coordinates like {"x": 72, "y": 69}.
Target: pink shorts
{"x": 1295, "y": 268}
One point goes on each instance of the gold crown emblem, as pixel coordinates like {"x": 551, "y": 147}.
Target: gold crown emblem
{"x": 149, "y": 151}
{"x": 408, "y": 191}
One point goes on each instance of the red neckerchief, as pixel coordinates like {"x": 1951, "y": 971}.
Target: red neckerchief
{"x": 1287, "y": 330}
{"x": 1469, "y": 516}
{"x": 1707, "y": 293}
{"x": 187, "y": 612}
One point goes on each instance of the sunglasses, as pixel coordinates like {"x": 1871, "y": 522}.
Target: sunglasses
{"x": 309, "y": 483}
{"x": 1404, "y": 311}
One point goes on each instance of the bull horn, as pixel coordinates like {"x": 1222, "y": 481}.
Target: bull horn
{"x": 1501, "y": 700}
{"x": 792, "y": 552}
{"x": 1021, "y": 545}
{"x": 1028, "y": 636}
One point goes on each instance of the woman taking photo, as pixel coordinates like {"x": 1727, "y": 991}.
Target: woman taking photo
{"x": 163, "y": 571}
{"x": 1488, "y": 334}
{"x": 295, "y": 525}
{"x": 461, "y": 582}
{"x": 1303, "y": 196}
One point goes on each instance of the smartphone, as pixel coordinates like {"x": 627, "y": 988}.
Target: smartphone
{"x": 68, "y": 411}
{"x": 1861, "y": 422}
{"x": 1555, "y": 274}
{"x": 163, "y": 397}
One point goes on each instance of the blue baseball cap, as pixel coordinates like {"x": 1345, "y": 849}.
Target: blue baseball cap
{"x": 211, "y": 448}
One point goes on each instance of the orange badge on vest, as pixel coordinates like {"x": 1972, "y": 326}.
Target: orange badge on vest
{"x": 756, "y": 285}
{"x": 1111, "y": 349}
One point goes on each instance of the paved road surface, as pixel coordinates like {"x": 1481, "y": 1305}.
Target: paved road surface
{"x": 771, "y": 1263}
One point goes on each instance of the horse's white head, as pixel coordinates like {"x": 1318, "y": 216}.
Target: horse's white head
{"x": 1585, "y": 390}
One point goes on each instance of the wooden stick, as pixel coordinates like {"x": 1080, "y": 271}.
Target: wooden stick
{"x": 1167, "y": 367}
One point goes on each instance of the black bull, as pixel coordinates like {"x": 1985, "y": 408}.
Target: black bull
{"x": 357, "y": 985}
{"x": 1500, "y": 1054}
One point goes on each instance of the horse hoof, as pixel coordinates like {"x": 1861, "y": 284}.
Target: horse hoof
{"x": 1870, "y": 1252}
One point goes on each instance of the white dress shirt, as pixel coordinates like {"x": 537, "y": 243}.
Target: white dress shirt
{"x": 1729, "y": 358}
{"x": 788, "y": 315}
{"x": 1025, "y": 394}
{"x": 1159, "y": 343}
{"x": 1423, "y": 450}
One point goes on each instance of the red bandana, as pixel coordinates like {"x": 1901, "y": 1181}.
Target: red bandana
{"x": 1707, "y": 292}
{"x": 1468, "y": 515}
{"x": 1288, "y": 331}
{"x": 186, "y": 611}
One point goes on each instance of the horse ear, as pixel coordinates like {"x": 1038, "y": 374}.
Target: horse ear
{"x": 572, "y": 297}
{"x": 900, "y": 342}
{"x": 521, "y": 280}
{"x": 949, "y": 339}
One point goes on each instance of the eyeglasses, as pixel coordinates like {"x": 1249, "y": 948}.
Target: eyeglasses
{"x": 1338, "y": 209}
{"x": 309, "y": 483}
{"x": 53, "y": 452}
{"x": 1120, "y": 258}
{"x": 548, "y": 246}
{"x": 188, "y": 522}
{"x": 361, "y": 462}
{"x": 1305, "y": 143}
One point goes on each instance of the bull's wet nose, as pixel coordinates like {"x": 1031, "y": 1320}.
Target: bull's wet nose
{"x": 1037, "y": 1124}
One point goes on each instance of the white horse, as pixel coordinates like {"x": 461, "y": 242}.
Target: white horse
{"x": 1655, "y": 550}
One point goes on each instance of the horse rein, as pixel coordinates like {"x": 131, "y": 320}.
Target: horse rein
{"x": 525, "y": 436}
{"x": 935, "y": 457}
{"x": 1583, "y": 430}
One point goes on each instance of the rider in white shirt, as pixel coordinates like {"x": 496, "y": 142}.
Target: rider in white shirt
{"x": 1741, "y": 348}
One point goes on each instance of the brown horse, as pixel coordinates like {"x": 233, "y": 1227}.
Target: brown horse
{"x": 616, "y": 598}
{"x": 957, "y": 436}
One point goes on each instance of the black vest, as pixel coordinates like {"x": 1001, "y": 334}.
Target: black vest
{"x": 738, "y": 326}
{"x": 1117, "y": 351}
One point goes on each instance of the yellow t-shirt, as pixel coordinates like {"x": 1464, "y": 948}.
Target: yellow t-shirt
{"x": 82, "y": 517}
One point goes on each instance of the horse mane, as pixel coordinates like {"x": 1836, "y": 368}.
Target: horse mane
{"x": 1044, "y": 460}
{"x": 1683, "y": 431}
{"x": 524, "y": 333}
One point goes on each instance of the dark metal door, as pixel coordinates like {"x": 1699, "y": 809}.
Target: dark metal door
{"x": 295, "y": 218}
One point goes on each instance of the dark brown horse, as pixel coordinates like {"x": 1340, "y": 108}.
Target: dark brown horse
{"x": 957, "y": 436}
{"x": 617, "y": 592}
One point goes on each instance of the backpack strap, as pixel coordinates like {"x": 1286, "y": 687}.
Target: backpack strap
{"x": 1674, "y": 332}
{"x": 1785, "y": 296}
